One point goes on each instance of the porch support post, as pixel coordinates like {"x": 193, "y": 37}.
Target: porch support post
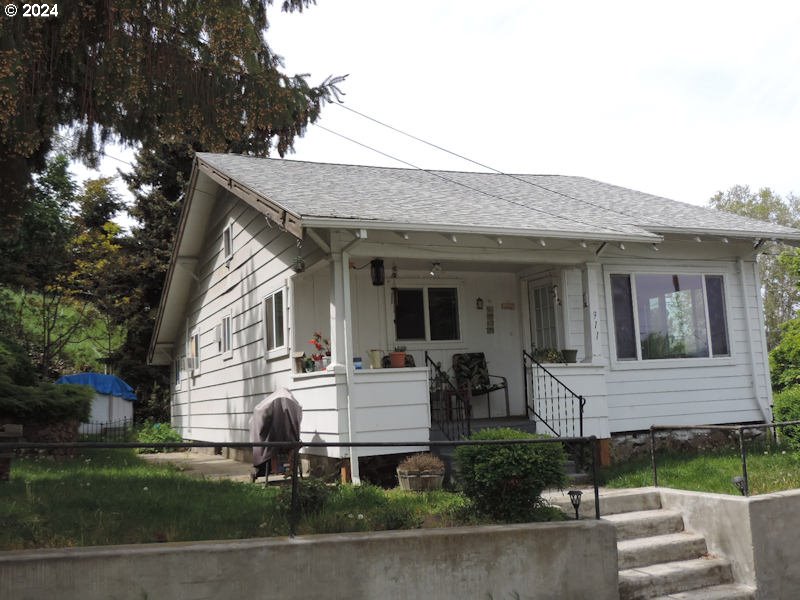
{"x": 592, "y": 278}
{"x": 337, "y": 309}
{"x": 341, "y": 332}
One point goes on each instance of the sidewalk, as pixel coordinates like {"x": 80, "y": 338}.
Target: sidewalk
{"x": 204, "y": 466}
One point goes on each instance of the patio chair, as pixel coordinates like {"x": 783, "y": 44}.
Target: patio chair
{"x": 473, "y": 379}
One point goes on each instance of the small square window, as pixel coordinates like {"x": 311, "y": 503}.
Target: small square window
{"x": 425, "y": 314}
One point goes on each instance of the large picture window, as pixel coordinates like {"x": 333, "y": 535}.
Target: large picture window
{"x": 426, "y": 314}
{"x": 275, "y": 324}
{"x": 659, "y": 316}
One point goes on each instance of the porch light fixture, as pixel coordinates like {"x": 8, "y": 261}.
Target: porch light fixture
{"x": 583, "y": 244}
{"x": 697, "y": 239}
{"x": 542, "y": 243}
{"x": 453, "y": 238}
{"x": 376, "y": 271}
{"x": 499, "y": 241}
{"x": 655, "y": 248}
{"x": 724, "y": 240}
{"x": 740, "y": 484}
{"x": 621, "y": 246}
{"x": 299, "y": 265}
{"x": 436, "y": 268}
{"x": 575, "y": 499}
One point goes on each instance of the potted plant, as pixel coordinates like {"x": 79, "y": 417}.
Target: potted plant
{"x": 420, "y": 472}
{"x": 547, "y": 355}
{"x": 323, "y": 349}
{"x": 570, "y": 356}
{"x": 398, "y": 357}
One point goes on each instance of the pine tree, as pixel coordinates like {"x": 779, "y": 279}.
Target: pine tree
{"x": 145, "y": 72}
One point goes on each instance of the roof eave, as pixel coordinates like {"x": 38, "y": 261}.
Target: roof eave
{"x": 732, "y": 233}
{"x": 610, "y": 236}
{"x": 285, "y": 218}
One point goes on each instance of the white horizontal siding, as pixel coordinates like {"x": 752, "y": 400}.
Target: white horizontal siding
{"x": 720, "y": 390}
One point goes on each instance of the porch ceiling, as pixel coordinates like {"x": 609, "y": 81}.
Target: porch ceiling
{"x": 418, "y": 264}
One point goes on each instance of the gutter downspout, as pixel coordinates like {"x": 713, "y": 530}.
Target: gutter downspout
{"x": 748, "y": 322}
{"x": 348, "y": 356}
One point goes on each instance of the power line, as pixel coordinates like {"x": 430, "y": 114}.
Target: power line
{"x": 462, "y": 184}
{"x": 482, "y": 165}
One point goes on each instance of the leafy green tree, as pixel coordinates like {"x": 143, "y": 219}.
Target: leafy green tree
{"x": 145, "y": 73}
{"x": 784, "y": 360}
{"x": 778, "y": 263}
{"x": 57, "y": 266}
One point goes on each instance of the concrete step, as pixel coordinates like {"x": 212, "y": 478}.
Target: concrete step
{"x": 640, "y": 552}
{"x": 730, "y": 591}
{"x": 645, "y": 523}
{"x": 612, "y": 502}
{"x": 668, "y": 578}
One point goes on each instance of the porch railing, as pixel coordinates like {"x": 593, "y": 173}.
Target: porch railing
{"x": 550, "y": 401}
{"x": 449, "y": 406}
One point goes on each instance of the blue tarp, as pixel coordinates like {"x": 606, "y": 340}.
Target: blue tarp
{"x": 103, "y": 384}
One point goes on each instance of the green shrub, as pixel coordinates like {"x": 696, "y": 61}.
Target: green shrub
{"x": 506, "y": 482}
{"x": 784, "y": 359}
{"x": 15, "y": 365}
{"x": 786, "y": 407}
{"x": 46, "y": 402}
{"x": 312, "y": 495}
{"x": 152, "y": 433}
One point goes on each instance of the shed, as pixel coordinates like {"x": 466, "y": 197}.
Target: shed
{"x": 113, "y": 399}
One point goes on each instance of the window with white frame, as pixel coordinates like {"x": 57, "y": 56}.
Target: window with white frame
{"x": 544, "y": 325}
{"x": 426, "y": 314}
{"x": 275, "y": 324}
{"x": 658, "y": 316}
{"x": 193, "y": 354}
{"x": 178, "y": 368}
{"x": 227, "y": 242}
{"x": 225, "y": 336}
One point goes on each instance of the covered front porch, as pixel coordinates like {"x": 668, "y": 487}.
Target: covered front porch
{"x": 437, "y": 297}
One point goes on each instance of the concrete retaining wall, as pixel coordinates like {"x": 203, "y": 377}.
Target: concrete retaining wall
{"x": 758, "y": 534}
{"x": 530, "y": 561}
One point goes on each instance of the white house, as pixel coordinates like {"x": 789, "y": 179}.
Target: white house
{"x": 659, "y": 298}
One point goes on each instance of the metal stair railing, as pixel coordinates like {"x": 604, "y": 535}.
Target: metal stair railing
{"x": 450, "y": 410}
{"x": 550, "y": 401}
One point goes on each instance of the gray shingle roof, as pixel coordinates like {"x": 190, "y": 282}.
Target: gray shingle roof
{"x": 556, "y": 204}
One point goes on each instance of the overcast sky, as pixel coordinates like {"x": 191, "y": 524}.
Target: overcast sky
{"x": 679, "y": 99}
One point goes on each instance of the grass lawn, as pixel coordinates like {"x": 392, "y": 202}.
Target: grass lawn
{"x": 768, "y": 471}
{"x": 113, "y": 497}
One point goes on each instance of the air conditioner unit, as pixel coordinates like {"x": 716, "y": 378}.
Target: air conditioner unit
{"x": 189, "y": 363}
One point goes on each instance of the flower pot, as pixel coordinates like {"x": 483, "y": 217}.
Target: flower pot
{"x": 398, "y": 359}
{"x": 570, "y": 356}
{"x": 420, "y": 481}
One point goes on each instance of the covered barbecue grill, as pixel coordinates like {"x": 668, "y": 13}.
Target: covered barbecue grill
{"x": 275, "y": 419}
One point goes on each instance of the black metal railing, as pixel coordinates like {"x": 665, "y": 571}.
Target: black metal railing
{"x": 294, "y": 515}
{"x": 743, "y": 482}
{"x": 450, "y": 410}
{"x": 550, "y": 401}
{"x": 109, "y": 431}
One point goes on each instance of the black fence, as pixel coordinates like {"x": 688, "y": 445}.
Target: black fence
{"x": 293, "y": 448}
{"x": 110, "y": 431}
{"x": 742, "y": 482}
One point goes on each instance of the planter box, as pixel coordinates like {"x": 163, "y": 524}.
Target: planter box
{"x": 420, "y": 481}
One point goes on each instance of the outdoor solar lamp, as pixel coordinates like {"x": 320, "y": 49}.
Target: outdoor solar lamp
{"x": 738, "y": 481}
{"x": 575, "y": 498}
